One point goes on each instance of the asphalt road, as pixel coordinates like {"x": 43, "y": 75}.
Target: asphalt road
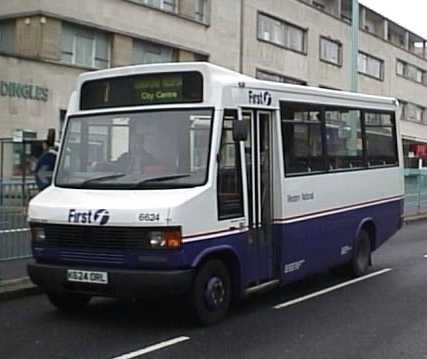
{"x": 383, "y": 316}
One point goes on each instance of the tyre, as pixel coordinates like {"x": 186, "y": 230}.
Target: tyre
{"x": 361, "y": 255}
{"x": 69, "y": 302}
{"x": 211, "y": 292}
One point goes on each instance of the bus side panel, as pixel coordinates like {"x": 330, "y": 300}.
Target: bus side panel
{"x": 314, "y": 245}
{"x": 389, "y": 222}
{"x": 197, "y": 251}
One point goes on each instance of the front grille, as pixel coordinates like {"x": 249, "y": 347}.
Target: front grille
{"x": 79, "y": 256}
{"x": 96, "y": 237}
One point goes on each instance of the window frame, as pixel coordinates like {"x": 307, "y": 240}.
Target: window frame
{"x": 140, "y": 45}
{"x": 8, "y": 36}
{"x": 367, "y": 74}
{"x": 404, "y": 104}
{"x": 325, "y": 154}
{"x": 340, "y": 51}
{"x": 405, "y": 74}
{"x": 284, "y": 23}
{"x": 200, "y": 14}
{"x": 292, "y": 80}
{"x": 221, "y": 217}
{"x": 74, "y": 32}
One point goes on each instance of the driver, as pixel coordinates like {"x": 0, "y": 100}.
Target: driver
{"x": 138, "y": 159}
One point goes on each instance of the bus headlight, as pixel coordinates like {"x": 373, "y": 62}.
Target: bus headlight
{"x": 167, "y": 239}
{"x": 38, "y": 234}
{"x": 157, "y": 239}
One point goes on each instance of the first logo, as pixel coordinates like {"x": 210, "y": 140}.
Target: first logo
{"x": 98, "y": 216}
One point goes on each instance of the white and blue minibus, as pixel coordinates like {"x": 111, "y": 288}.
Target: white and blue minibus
{"x": 191, "y": 179}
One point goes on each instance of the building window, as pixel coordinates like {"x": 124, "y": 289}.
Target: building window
{"x": 330, "y": 51}
{"x": 85, "y": 47}
{"x": 200, "y": 12}
{"x": 281, "y": 33}
{"x": 229, "y": 180}
{"x": 400, "y": 68}
{"x": 269, "y": 76}
{"x": 371, "y": 66}
{"x": 7, "y": 36}
{"x": 193, "y": 9}
{"x": 167, "y": 5}
{"x": 411, "y": 72}
{"x": 413, "y": 112}
{"x": 148, "y": 53}
{"x": 319, "y": 6}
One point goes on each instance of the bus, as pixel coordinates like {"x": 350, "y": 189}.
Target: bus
{"x": 191, "y": 179}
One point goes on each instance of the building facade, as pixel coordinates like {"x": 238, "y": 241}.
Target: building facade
{"x": 45, "y": 45}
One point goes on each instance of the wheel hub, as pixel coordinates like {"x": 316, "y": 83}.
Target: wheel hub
{"x": 215, "y": 292}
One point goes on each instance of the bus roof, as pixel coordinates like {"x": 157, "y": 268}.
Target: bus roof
{"x": 223, "y": 77}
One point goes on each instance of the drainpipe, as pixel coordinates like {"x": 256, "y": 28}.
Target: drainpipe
{"x": 242, "y": 34}
{"x": 355, "y": 47}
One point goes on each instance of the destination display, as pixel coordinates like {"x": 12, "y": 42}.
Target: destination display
{"x": 142, "y": 90}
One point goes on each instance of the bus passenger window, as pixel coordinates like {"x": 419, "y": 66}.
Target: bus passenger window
{"x": 380, "y": 139}
{"x": 302, "y": 138}
{"x": 344, "y": 139}
{"x": 229, "y": 180}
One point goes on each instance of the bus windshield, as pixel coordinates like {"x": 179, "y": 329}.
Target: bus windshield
{"x": 138, "y": 150}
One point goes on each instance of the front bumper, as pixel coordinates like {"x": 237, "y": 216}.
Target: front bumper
{"x": 121, "y": 283}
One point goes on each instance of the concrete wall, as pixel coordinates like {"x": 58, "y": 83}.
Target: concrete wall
{"x": 30, "y": 114}
{"x": 39, "y": 37}
{"x": 220, "y": 40}
{"x": 121, "y": 50}
{"x": 304, "y": 67}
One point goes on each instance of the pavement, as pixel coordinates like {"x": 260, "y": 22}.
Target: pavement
{"x": 14, "y": 282}
{"x": 330, "y": 316}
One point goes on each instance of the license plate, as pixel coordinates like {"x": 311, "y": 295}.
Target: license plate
{"x": 87, "y": 276}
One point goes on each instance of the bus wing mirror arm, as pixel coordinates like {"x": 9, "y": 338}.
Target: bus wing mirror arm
{"x": 240, "y": 130}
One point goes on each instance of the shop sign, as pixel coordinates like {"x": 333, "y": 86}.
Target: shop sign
{"x": 23, "y": 91}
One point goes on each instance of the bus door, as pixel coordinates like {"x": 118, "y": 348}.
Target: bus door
{"x": 258, "y": 158}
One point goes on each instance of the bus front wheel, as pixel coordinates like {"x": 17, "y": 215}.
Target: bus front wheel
{"x": 68, "y": 302}
{"x": 362, "y": 254}
{"x": 211, "y": 292}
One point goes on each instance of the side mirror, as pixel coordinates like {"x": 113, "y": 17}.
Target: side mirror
{"x": 240, "y": 130}
{"x": 50, "y": 139}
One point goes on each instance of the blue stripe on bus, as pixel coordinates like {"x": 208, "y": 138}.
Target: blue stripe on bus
{"x": 302, "y": 248}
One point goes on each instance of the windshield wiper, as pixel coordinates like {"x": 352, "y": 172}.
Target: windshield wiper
{"x": 160, "y": 179}
{"x": 102, "y": 178}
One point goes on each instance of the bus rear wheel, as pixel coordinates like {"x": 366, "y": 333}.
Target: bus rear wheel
{"x": 211, "y": 292}
{"x": 70, "y": 302}
{"x": 362, "y": 254}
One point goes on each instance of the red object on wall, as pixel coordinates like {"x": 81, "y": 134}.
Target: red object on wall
{"x": 420, "y": 150}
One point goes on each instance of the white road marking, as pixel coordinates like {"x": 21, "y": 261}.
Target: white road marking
{"x": 16, "y": 230}
{"x": 153, "y": 348}
{"x": 425, "y": 255}
{"x": 330, "y": 289}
